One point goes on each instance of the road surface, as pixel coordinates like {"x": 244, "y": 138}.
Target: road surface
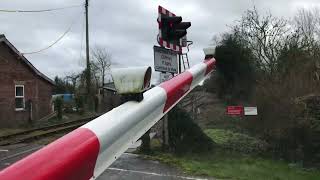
{"x": 128, "y": 166}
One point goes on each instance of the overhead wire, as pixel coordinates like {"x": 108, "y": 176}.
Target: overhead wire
{"x": 47, "y": 10}
{"x": 56, "y": 41}
{"x": 38, "y": 11}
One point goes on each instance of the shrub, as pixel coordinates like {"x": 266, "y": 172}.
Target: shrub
{"x": 58, "y": 105}
{"x": 237, "y": 141}
{"x": 185, "y": 135}
{"x": 79, "y": 104}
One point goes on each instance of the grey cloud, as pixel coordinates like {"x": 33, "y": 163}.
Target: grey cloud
{"x": 127, "y": 28}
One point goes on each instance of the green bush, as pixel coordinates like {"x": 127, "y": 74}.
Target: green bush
{"x": 79, "y": 100}
{"x": 145, "y": 146}
{"x": 236, "y": 141}
{"x": 58, "y": 105}
{"x": 185, "y": 135}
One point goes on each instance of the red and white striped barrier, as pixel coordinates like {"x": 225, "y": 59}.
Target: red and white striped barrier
{"x": 87, "y": 151}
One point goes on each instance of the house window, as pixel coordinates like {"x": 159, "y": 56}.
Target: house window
{"x": 19, "y": 98}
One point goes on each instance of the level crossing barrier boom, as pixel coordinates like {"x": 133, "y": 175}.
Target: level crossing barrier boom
{"x": 86, "y": 152}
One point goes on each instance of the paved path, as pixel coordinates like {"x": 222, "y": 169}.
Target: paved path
{"x": 127, "y": 167}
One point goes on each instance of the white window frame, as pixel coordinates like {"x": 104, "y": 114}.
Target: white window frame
{"x": 15, "y": 96}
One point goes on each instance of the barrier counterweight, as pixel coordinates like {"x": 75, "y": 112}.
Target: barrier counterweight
{"x": 87, "y": 151}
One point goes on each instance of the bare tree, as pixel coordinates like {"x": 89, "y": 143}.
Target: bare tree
{"x": 216, "y": 39}
{"x": 265, "y": 35}
{"x": 95, "y": 72}
{"x": 101, "y": 61}
{"x": 73, "y": 77}
{"x": 307, "y": 30}
{"x": 305, "y": 22}
{"x": 307, "y": 36}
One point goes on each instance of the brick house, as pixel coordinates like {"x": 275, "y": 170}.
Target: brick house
{"x": 25, "y": 93}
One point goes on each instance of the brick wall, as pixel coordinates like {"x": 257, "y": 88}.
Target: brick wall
{"x": 14, "y": 72}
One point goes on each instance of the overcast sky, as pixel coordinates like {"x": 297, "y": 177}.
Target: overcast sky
{"x": 127, "y": 28}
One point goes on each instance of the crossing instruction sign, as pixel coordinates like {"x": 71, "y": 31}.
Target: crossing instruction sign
{"x": 165, "y": 77}
{"x": 165, "y": 60}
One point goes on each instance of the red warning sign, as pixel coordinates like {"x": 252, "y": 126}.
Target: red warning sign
{"x": 235, "y": 110}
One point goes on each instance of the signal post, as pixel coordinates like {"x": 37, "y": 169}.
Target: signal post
{"x": 172, "y": 31}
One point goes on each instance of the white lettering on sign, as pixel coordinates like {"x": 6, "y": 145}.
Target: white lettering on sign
{"x": 165, "y": 60}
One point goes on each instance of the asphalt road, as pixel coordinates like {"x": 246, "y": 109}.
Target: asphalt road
{"x": 128, "y": 166}
{"x": 134, "y": 167}
{"x": 13, "y": 153}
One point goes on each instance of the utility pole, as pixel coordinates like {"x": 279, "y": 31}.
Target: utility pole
{"x": 88, "y": 71}
{"x": 179, "y": 64}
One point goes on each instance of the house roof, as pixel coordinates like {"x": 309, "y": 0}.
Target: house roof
{"x": 25, "y": 60}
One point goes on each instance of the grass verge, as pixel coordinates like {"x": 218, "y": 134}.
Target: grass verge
{"x": 224, "y": 163}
